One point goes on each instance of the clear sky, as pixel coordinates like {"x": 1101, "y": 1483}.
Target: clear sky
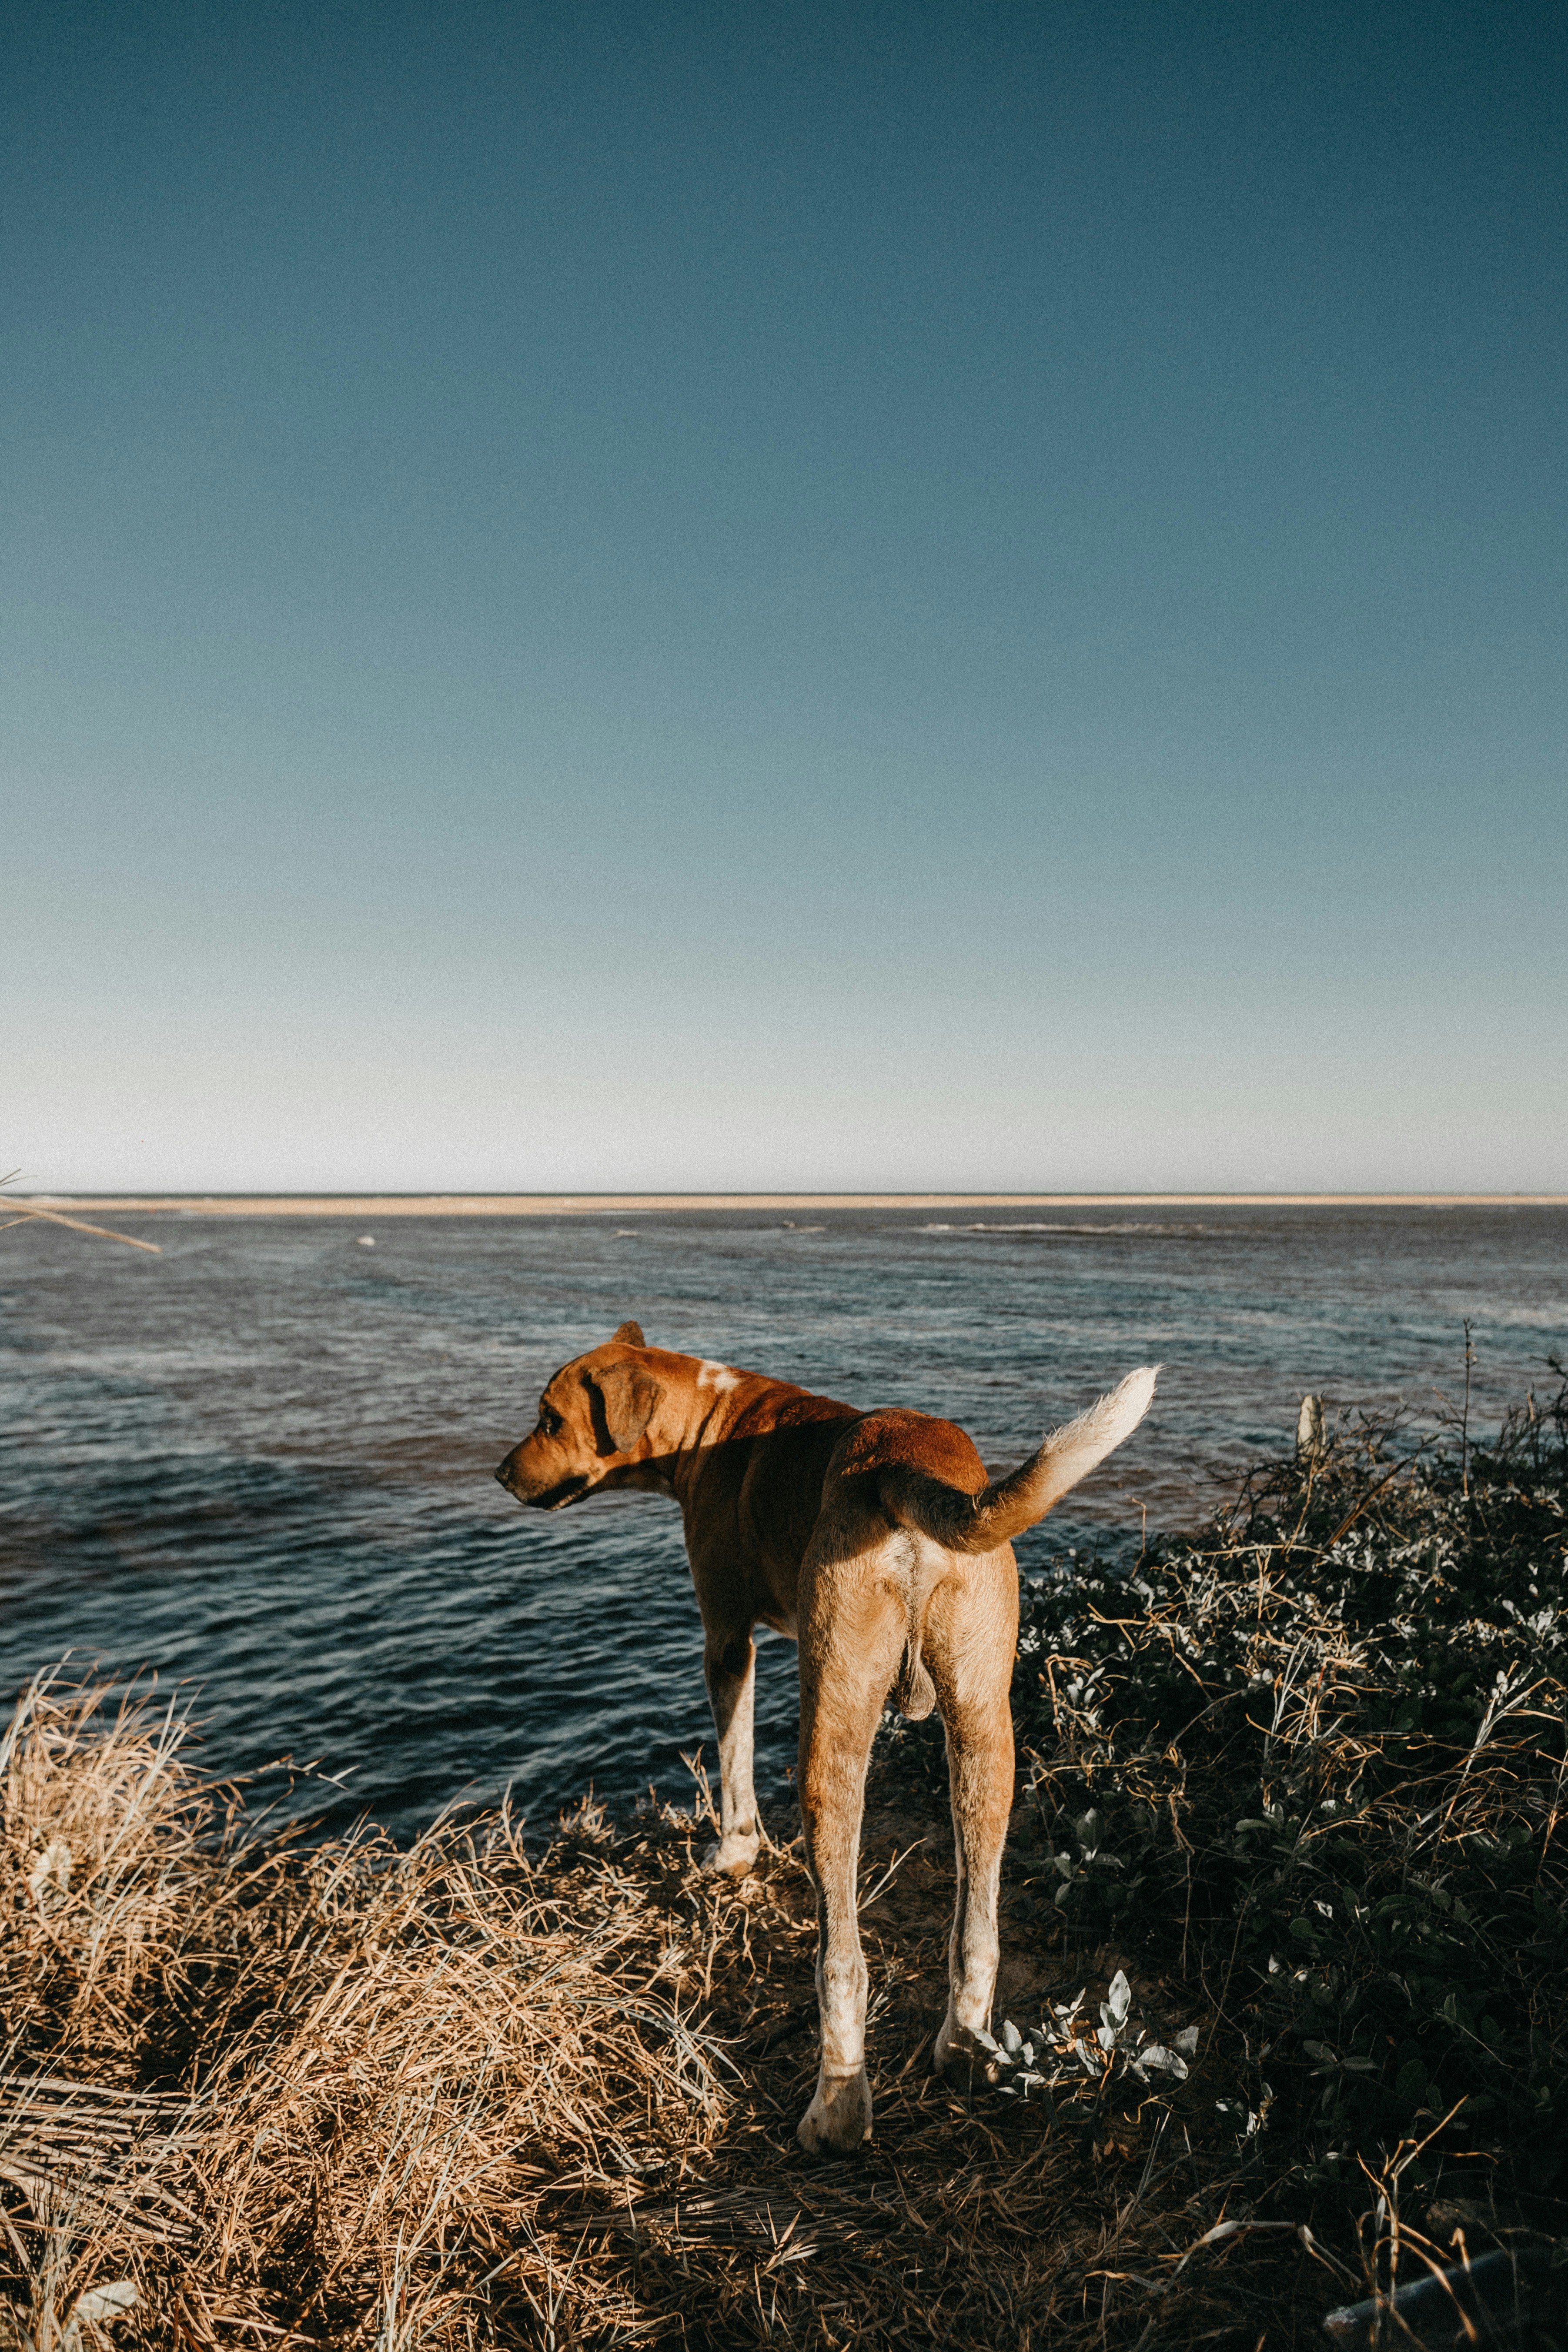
{"x": 613, "y": 595}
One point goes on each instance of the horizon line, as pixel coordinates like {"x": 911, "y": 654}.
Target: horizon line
{"x": 581, "y": 1203}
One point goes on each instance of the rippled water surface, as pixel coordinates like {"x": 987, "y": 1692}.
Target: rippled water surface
{"x": 262, "y": 1461}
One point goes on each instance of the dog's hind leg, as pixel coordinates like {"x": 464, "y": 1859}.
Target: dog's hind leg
{"x": 730, "y": 1670}
{"x": 852, "y": 1633}
{"x": 971, "y": 1631}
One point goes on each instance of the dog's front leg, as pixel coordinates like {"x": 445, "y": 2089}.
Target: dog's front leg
{"x": 730, "y": 1669}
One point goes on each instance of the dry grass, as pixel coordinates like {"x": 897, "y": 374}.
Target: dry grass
{"x": 293, "y": 2093}
{"x": 320, "y": 2090}
{"x": 336, "y": 2093}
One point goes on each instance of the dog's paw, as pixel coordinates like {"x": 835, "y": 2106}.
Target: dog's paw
{"x": 733, "y": 1855}
{"x": 839, "y": 2119}
{"x": 965, "y": 2055}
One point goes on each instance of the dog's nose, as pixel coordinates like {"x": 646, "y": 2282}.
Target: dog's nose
{"x": 501, "y": 1469}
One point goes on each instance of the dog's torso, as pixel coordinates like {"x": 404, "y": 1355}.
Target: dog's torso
{"x": 762, "y": 1461}
{"x": 749, "y": 1477}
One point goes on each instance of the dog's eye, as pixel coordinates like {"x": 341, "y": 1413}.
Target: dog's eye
{"x": 549, "y": 1421}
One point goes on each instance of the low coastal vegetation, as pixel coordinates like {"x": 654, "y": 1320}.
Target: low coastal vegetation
{"x": 1283, "y": 2014}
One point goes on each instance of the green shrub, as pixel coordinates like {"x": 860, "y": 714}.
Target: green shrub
{"x": 1314, "y": 1758}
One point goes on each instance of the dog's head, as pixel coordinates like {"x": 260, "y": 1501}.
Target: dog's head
{"x": 593, "y": 1419}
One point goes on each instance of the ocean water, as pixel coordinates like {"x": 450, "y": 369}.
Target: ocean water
{"x": 260, "y": 1465}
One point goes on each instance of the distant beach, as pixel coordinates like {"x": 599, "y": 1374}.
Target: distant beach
{"x": 587, "y": 1204}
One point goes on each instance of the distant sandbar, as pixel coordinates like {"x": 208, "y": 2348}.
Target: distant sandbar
{"x": 588, "y": 1204}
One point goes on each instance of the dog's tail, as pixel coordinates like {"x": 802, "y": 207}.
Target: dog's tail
{"x": 971, "y": 1523}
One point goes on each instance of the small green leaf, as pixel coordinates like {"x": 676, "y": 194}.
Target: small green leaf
{"x": 1410, "y": 2084}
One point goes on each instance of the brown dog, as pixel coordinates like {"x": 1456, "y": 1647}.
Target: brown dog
{"x": 875, "y": 1540}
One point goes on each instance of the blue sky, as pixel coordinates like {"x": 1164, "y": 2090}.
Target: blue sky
{"x": 649, "y": 596}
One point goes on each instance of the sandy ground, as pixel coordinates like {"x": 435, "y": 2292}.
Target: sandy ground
{"x": 587, "y": 1204}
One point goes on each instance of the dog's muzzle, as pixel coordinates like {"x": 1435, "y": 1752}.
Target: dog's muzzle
{"x": 549, "y": 1498}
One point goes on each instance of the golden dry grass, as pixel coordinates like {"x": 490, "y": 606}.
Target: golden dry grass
{"x": 334, "y": 2093}
{"x": 323, "y": 2090}
{"x": 337, "y": 2094}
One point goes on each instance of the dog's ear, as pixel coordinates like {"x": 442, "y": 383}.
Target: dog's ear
{"x": 629, "y": 1335}
{"x": 626, "y": 1396}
